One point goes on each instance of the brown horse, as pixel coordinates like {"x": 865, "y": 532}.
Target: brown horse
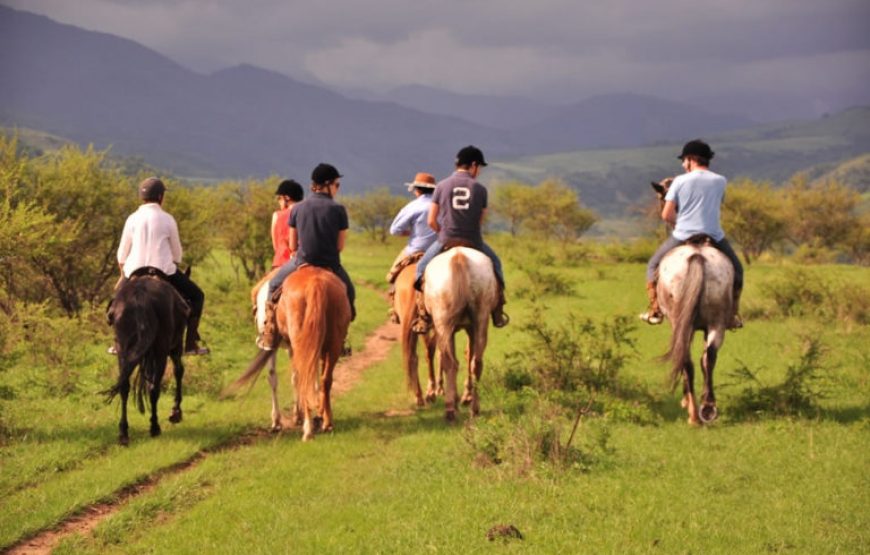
{"x": 406, "y": 308}
{"x": 695, "y": 292}
{"x": 461, "y": 292}
{"x": 313, "y": 316}
{"x": 149, "y": 318}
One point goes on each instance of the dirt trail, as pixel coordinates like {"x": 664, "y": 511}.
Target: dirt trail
{"x": 347, "y": 374}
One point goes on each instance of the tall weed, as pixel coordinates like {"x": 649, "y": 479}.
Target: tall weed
{"x": 798, "y": 395}
{"x": 800, "y": 293}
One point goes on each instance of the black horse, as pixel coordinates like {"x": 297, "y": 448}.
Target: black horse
{"x": 149, "y": 317}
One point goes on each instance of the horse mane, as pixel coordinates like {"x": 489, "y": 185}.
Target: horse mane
{"x": 683, "y": 314}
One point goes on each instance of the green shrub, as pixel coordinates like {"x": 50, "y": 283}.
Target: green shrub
{"x": 798, "y": 395}
{"x": 544, "y": 283}
{"x": 802, "y": 293}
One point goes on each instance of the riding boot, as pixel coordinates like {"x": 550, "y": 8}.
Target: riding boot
{"x": 269, "y": 337}
{"x": 191, "y": 345}
{"x": 393, "y": 315}
{"x": 736, "y": 320}
{"x": 653, "y": 315}
{"x": 499, "y": 318}
{"x": 422, "y": 321}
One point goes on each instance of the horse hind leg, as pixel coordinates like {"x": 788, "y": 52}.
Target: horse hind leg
{"x": 124, "y": 390}
{"x": 178, "y": 369}
{"x": 468, "y": 393}
{"x": 273, "y": 384}
{"x": 708, "y": 411}
{"x": 688, "y": 401}
{"x": 433, "y": 388}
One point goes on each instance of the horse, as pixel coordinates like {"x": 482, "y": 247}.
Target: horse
{"x": 313, "y": 316}
{"x": 406, "y": 308}
{"x": 149, "y": 318}
{"x": 695, "y": 292}
{"x": 259, "y": 297}
{"x": 461, "y": 292}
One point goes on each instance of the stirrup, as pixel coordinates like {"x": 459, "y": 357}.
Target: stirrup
{"x": 652, "y": 318}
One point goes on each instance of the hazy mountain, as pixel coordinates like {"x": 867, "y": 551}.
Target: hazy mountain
{"x": 500, "y": 112}
{"x": 612, "y": 180}
{"x": 95, "y": 87}
{"x": 624, "y": 120}
{"x": 246, "y": 121}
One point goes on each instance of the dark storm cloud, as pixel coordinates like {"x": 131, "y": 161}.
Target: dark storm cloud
{"x": 558, "y": 48}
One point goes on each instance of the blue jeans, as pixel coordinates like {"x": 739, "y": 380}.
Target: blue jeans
{"x": 671, "y": 243}
{"x": 293, "y": 265}
{"x": 435, "y": 249}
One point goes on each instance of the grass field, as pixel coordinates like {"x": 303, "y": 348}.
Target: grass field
{"x": 392, "y": 479}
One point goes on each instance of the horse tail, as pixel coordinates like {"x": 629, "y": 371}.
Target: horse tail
{"x": 683, "y": 316}
{"x": 251, "y": 373}
{"x": 309, "y": 344}
{"x": 137, "y": 327}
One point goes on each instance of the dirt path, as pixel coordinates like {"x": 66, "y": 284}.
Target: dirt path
{"x": 347, "y": 374}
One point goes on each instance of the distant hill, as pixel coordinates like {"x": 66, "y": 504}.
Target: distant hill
{"x": 246, "y": 121}
{"x": 854, "y": 173}
{"x": 612, "y": 180}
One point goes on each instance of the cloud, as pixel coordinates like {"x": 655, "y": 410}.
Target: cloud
{"x": 558, "y": 48}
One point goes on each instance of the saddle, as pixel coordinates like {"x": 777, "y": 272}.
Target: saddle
{"x": 412, "y": 258}
{"x": 451, "y": 243}
{"x": 701, "y": 240}
{"x": 149, "y": 271}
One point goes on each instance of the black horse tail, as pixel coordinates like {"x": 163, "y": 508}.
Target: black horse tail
{"x": 683, "y": 316}
{"x": 251, "y": 374}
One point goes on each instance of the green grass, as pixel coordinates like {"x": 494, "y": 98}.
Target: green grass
{"x": 393, "y": 479}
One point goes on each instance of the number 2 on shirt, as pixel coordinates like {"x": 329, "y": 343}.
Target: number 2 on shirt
{"x": 461, "y": 196}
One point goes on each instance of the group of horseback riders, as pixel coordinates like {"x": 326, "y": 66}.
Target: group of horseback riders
{"x": 442, "y": 215}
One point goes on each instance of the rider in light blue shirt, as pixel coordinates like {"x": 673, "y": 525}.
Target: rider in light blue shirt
{"x": 411, "y": 222}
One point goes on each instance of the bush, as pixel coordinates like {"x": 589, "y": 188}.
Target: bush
{"x": 803, "y": 293}
{"x": 544, "y": 283}
{"x": 798, "y": 395}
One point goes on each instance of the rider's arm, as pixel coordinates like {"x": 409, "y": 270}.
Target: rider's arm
{"x": 275, "y": 245}
{"x": 293, "y": 239}
{"x": 342, "y": 235}
{"x": 432, "y": 220}
{"x": 669, "y": 212}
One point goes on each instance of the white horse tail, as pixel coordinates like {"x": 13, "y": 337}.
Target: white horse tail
{"x": 682, "y": 315}
{"x": 459, "y": 281}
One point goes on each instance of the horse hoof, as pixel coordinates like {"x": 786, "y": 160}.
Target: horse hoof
{"x": 318, "y": 423}
{"x": 327, "y": 429}
{"x": 275, "y": 428}
{"x": 450, "y": 416}
{"x": 466, "y": 400}
{"x": 708, "y": 413}
{"x": 123, "y": 441}
{"x": 155, "y": 431}
{"x": 176, "y": 416}
{"x": 431, "y": 397}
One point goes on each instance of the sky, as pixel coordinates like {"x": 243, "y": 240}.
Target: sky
{"x": 551, "y": 50}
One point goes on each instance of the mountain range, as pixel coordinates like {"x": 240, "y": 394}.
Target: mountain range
{"x": 245, "y": 121}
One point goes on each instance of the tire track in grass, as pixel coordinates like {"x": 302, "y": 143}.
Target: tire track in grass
{"x": 348, "y": 373}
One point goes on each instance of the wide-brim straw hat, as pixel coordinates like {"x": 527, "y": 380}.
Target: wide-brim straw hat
{"x": 423, "y": 180}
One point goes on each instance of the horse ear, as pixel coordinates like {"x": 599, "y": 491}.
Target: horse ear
{"x": 659, "y": 188}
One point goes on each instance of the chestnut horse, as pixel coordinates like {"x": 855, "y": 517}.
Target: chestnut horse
{"x": 695, "y": 292}
{"x": 313, "y": 316}
{"x": 461, "y": 292}
{"x": 406, "y": 308}
{"x": 149, "y": 318}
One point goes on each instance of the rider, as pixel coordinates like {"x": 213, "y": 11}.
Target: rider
{"x": 411, "y": 222}
{"x": 150, "y": 239}
{"x": 692, "y": 206}
{"x": 457, "y": 212}
{"x": 318, "y": 229}
{"x": 289, "y": 193}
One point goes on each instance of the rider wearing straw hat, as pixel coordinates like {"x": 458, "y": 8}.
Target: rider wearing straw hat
{"x": 411, "y": 222}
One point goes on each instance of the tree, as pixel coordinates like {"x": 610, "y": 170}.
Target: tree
{"x": 822, "y": 214}
{"x": 87, "y": 202}
{"x": 752, "y": 216}
{"x": 244, "y": 212}
{"x": 555, "y": 211}
{"x": 374, "y": 211}
{"x": 510, "y": 203}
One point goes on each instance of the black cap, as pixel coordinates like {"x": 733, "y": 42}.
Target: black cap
{"x": 468, "y": 155}
{"x": 151, "y": 189}
{"x": 324, "y": 173}
{"x": 697, "y": 148}
{"x": 289, "y": 188}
